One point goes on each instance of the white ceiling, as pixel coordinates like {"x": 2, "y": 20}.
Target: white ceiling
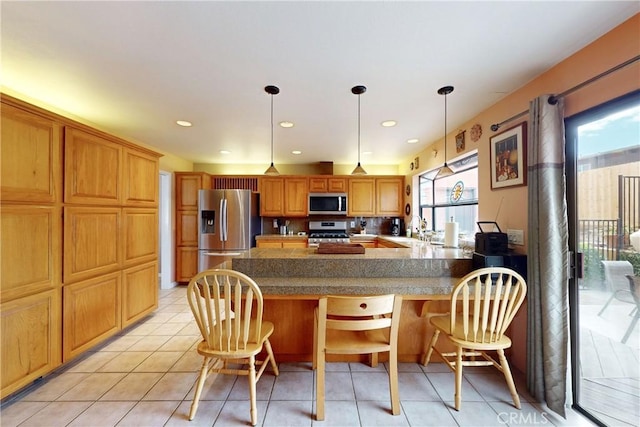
{"x": 134, "y": 68}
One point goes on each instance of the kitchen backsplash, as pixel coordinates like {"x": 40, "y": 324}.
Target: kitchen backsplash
{"x": 375, "y": 225}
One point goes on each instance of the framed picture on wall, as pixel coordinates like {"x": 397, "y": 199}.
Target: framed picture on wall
{"x": 508, "y": 157}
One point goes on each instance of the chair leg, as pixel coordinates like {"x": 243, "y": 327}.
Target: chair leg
{"x": 434, "y": 339}
{"x": 204, "y": 372}
{"x": 252, "y": 390}
{"x": 320, "y": 372}
{"x": 507, "y": 375}
{"x": 632, "y": 325}
{"x": 458, "y": 372}
{"x": 274, "y": 365}
{"x": 606, "y": 304}
{"x": 393, "y": 381}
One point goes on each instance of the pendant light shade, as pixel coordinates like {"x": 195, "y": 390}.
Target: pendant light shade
{"x": 272, "y": 90}
{"x": 445, "y": 170}
{"x": 358, "y": 90}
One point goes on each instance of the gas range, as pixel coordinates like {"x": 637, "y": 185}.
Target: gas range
{"x": 327, "y": 232}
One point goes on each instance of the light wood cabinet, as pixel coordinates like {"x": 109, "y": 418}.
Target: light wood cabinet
{"x": 296, "y": 197}
{"x": 92, "y": 313}
{"x": 30, "y": 237}
{"x": 30, "y": 153}
{"x": 140, "y": 181}
{"x": 186, "y": 263}
{"x": 92, "y": 169}
{"x": 271, "y": 197}
{"x": 187, "y": 228}
{"x": 140, "y": 236}
{"x": 327, "y": 185}
{"x": 91, "y": 241}
{"x": 389, "y": 196}
{"x": 139, "y": 292}
{"x": 362, "y": 197}
{"x": 187, "y": 186}
{"x": 282, "y": 243}
{"x": 31, "y": 338}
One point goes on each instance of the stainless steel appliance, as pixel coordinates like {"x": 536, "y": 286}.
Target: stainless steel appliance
{"x": 228, "y": 222}
{"x": 327, "y": 232}
{"x": 395, "y": 226}
{"x": 327, "y": 204}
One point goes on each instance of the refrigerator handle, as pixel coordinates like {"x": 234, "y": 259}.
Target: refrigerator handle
{"x": 223, "y": 220}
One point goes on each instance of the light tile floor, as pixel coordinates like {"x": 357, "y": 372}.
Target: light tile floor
{"x": 145, "y": 377}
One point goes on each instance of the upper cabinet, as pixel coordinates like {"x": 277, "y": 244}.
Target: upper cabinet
{"x": 93, "y": 169}
{"x": 187, "y": 186}
{"x": 140, "y": 179}
{"x": 296, "y": 196}
{"x": 327, "y": 185}
{"x": 370, "y": 196}
{"x": 272, "y": 196}
{"x": 30, "y": 157}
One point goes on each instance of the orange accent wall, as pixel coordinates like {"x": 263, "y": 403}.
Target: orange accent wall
{"x": 617, "y": 46}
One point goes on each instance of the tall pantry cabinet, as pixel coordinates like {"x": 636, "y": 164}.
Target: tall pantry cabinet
{"x": 79, "y": 221}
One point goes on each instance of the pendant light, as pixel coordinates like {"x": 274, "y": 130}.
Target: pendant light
{"x": 272, "y": 90}
{"x": 358, "y": 90}
{"x": 445, "y": 170}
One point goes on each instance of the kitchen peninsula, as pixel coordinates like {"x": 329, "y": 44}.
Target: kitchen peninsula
{"x": 292, "y": 280}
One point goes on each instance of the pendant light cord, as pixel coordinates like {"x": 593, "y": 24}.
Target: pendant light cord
{"x": 271, "y": 129}
{"x": 358, "y": 129}
{"x": 445, "y": 129}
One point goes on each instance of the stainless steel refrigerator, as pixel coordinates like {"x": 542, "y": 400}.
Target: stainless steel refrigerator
{"x": 228, "y": 223}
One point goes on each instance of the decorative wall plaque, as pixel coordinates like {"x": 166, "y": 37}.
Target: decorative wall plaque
{"x": 460, "y": 142}
{"x": 476, "y": 132}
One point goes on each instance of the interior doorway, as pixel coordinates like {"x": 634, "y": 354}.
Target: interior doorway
{"x": 165, "y": 240}
{"x": 603, "y": 177}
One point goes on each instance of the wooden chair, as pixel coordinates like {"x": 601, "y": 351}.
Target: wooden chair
{"x": 357, "y": 325}
{"x": 483, "y": 304}
{"x": 227, "y": 306}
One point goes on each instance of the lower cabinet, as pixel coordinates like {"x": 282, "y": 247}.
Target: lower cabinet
{"x": 139, "y": 292}
{"x": 31, "y": 339}
{"x": 281, "y": 243}
{"x": 92, "y": 313}
{"x": 186, "y": 263}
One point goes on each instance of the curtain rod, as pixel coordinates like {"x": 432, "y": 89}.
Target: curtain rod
{"x": 553, "y": 99}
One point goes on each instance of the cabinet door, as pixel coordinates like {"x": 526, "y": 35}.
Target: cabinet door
{"x": 91, "y": 313}
{"x": 139, "y": 292}
{"x": 30, "y": 169}
{"x": 187, "y": 187}
{"x": 361, "y": 197}
{"x": 318, "y": 185}
{"x": 186, "y": 263}
{"x": 296, "y": 196}
{"x": 30, "y": 237}
{"x": 269, "y": 244}
{"x": 271, "y": 197}
{"x": 294, "y": 244}
{"x": 140, "y": 235}
{"x": 389, "y": 196}
{"x": 92, "y": 169}
{"x": 91, "y": 242}
{"x": 140, "y": 178}
{"x": 186, "y": 228}
{"x": 337, "y": 185}
{"x": 31, "y": 339}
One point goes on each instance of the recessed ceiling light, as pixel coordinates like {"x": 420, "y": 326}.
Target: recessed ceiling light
{"x": 286, "y": 124}
{"x": 296, "y": 152}
{"x": 183, "y": 123}
{"x": 225, "y": 152}
{"x": 389, "y": 123}
{"x": 412, "y": 140}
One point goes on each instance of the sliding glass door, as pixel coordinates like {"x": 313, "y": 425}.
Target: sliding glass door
{"x": 603, "y": 175}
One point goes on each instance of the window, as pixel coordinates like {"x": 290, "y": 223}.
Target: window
{"x": 454, "y": 196}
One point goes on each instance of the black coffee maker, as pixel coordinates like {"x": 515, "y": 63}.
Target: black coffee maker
{"x": 395, "y": 226}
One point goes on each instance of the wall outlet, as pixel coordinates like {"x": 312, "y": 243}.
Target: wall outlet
{"x": 516, "y": 237}
{"x": 353, "y": 224}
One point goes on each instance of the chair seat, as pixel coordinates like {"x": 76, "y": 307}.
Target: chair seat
{"x": 356, "y": 342}
{"x": 252, "y": 348}
{"x": 443, "y": 323}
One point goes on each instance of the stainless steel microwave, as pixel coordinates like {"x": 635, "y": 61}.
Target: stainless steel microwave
{"x": 327, "y": 204}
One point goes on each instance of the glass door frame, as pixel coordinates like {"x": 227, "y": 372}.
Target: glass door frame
{"x": 571, "y": 168}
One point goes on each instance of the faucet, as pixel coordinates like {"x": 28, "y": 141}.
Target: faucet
{"x": 421, "y": 226}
